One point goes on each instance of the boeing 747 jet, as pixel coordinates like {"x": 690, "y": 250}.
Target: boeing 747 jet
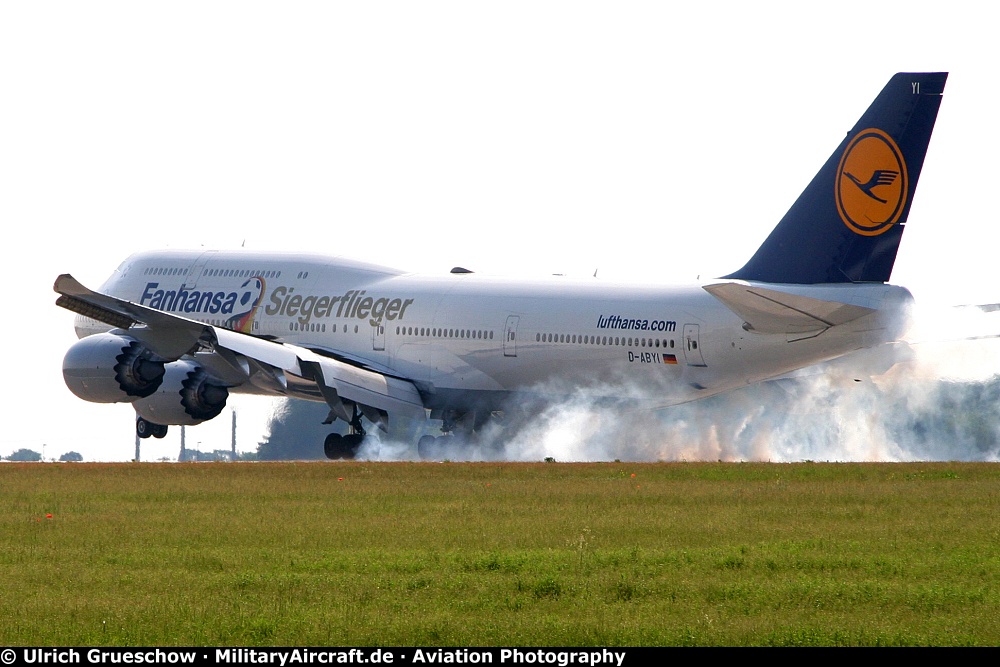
{"x": 174, "y": 333}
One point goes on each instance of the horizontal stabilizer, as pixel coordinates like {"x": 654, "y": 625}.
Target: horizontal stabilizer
{"x": 772, "y": 312}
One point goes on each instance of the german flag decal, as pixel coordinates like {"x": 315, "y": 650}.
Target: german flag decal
{"x": 871, "y": 183}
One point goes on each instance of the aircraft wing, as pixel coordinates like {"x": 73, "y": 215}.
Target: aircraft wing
{"x": 238, "y": 358}
{"x": 770, "y": 311}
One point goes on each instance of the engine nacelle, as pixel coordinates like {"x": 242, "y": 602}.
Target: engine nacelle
{"x": 108, "y": 368}
{"x": 187, "y": 396}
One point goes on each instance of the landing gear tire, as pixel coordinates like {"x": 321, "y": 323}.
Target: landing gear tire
{"x": 353, "y": 441}
{"x": 337, "y": 446}
{"x": 145, "y": 429}
{"x": 426, "y": 446}
{"x": 440, "y": 448}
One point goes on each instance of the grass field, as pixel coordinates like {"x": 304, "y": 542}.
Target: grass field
{"x": 481, "y": 554}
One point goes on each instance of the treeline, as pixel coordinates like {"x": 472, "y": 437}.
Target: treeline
{"x": 30, "y": 455}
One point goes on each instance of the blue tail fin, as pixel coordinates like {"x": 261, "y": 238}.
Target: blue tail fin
{"x": 847, "y": 224}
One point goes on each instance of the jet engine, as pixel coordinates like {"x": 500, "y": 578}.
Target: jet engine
{"x": 186, "y": 396}
{"x": 108, "y": 368}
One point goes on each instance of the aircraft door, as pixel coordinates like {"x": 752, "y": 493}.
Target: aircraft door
{"x": 692, "y": 346}
{"x": 194, "y": 273}
{"x": 510, "y": 336}
{"x": 378, "y": 337}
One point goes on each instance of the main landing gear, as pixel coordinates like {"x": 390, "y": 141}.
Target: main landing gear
{"x": 459, "y": 429}
{"x": 337, "y": 446}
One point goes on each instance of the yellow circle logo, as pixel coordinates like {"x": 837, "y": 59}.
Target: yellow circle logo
{"x": 871, "y": 183}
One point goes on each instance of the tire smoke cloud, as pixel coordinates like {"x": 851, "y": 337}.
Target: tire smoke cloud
{"x": 935, "y": 397}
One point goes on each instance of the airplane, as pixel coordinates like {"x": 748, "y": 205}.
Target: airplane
{"x": 175, "y": 332}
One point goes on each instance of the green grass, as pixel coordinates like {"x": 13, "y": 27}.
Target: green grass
{"x": 375, "y": 554}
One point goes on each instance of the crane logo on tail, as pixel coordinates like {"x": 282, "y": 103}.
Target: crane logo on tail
{"x": 871, "y": 183}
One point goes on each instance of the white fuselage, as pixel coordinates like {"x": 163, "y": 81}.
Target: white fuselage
{"x": 470, "y": 338}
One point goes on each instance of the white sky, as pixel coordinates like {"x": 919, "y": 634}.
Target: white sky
{"x": 650, "y": 140}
